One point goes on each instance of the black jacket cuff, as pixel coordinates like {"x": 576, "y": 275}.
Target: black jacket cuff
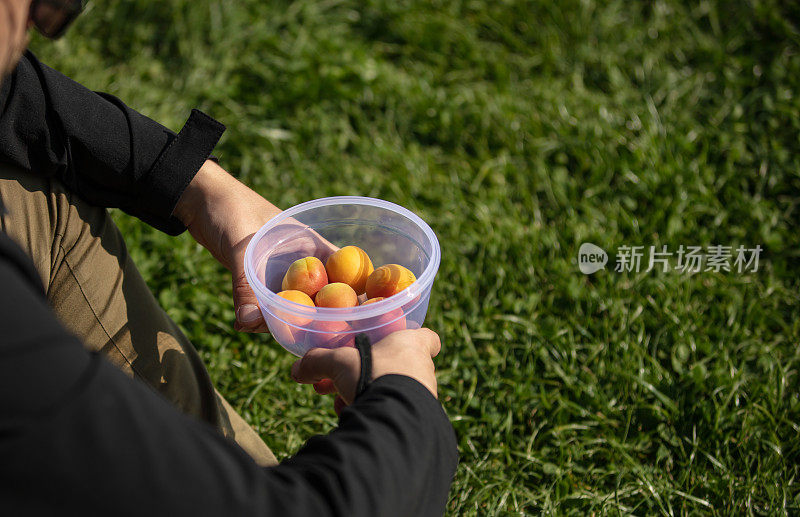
{"x": 175, "y": 169}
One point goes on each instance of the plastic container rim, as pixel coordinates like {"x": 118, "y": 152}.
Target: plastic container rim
{"x": 360, "y": 312}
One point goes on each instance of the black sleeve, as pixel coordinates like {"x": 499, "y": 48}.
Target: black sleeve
{"x": 76, "y": 435}
{"x": 107, "y": 153}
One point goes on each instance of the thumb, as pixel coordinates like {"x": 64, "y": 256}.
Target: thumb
{"x": 248, "y": 315}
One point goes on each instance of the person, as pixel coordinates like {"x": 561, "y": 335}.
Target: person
{"x": 105, "y": 406}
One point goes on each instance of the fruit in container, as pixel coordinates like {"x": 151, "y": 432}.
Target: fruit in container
{"x": 346, "y": 277}
{"x": 286, "y": 327}
{"x": 388, "y": 280}
{"x": 336, "y": 295}
{"x": 383, "y": 325}
{"x": 350, "y": 265}
{"x": 330, "y": 334}
{"x": 297, "y": 297}
{"x": 373, "y": 300}
{"x": 307, "y": 275}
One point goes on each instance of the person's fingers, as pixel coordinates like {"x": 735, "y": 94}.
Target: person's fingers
{"x": 324, "y": 387}
{"x": 339, "y": 404}
{"x": 431, "y": 339}
{"x": 323, "y": 363}
{"x": 245, "y": 303}
{"x": 309, "y": 368}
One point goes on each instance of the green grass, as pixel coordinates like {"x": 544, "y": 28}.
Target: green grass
{"x": 518, "y": 130}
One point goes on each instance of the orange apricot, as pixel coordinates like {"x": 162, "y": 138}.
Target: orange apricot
{"x": 385, "y": 324}
{"x": 330, "y": 334}
{"x": 283, "y": 333}
{"x": 350, "y": 265}
{"x": 297, "y": 297}
{"x": 388, "y": 280}
{"x": 285, "y": 327}
{"x": 306, "y": 274}
{"x": 336, "y": 295}
{"x": 373, "y": 300}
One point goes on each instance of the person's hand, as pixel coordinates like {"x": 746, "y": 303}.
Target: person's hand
{"x": 222, "y": 214}
{"x": 336, "y": 370}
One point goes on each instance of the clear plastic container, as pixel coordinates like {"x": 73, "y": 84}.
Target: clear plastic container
{"x": 389, "y": 234}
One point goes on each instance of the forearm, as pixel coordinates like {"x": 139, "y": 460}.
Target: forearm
{"x": 211, "y": 200}
{"x": 211, "y": 187}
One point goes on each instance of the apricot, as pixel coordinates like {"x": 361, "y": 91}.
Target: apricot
{"x": 388, "y": 280}
{"x": 373, "y": 300}
{"x": 283, "y": 333}
{"x": 285, "y": 328}
{"x": 350, "y": 265}
{"x": 297, "y": 297}
{"x": 336, "y": 295}
{"x": 387, "y": 323}
{"x": 330, "y": 334}
{"x": 307, "y": 275}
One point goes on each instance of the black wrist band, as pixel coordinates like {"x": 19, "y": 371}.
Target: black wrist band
{"x": 364, "y": 348}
